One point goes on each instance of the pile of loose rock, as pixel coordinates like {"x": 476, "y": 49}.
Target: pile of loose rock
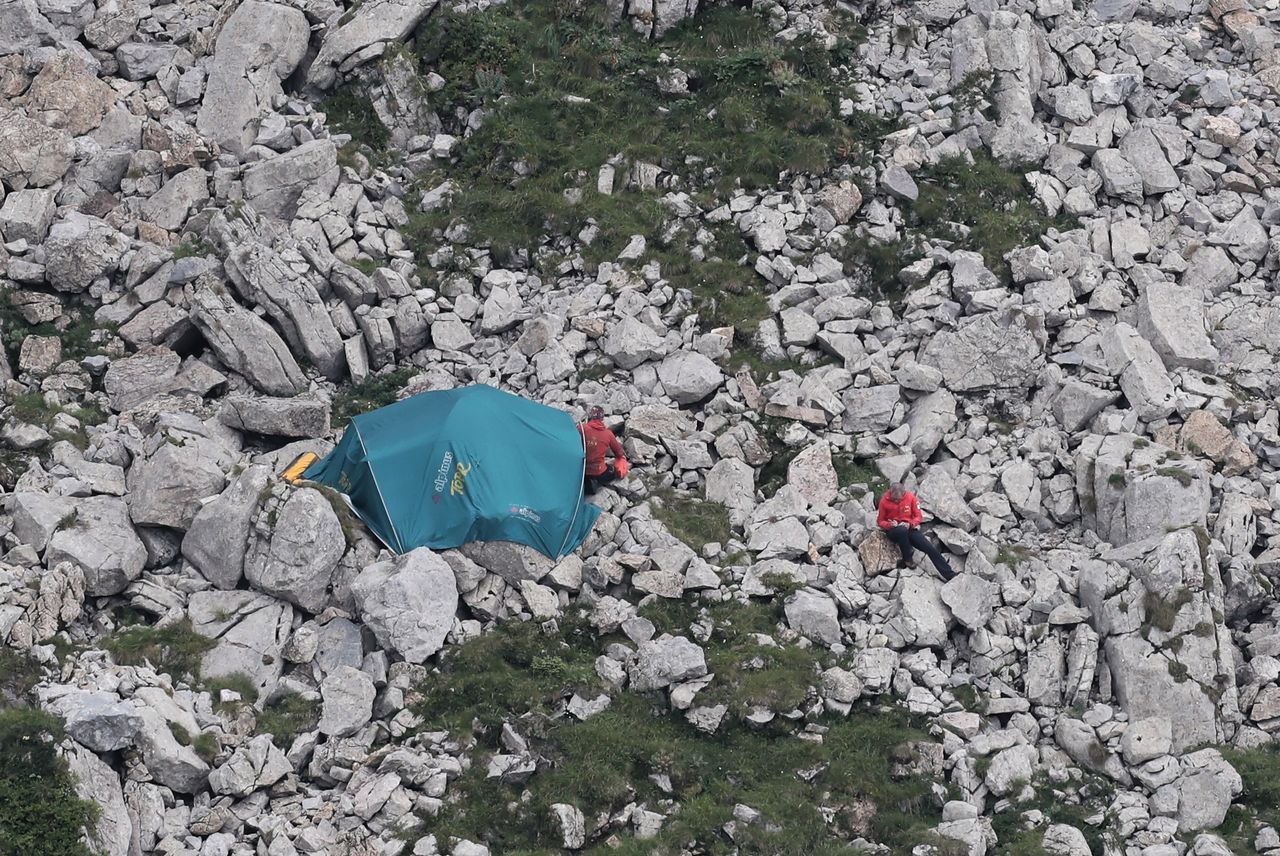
{"x": 1096, "y": 439}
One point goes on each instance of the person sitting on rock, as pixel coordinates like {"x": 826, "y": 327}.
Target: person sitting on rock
{"x": 900, "y": 519}
{"x": 598, "y": 441}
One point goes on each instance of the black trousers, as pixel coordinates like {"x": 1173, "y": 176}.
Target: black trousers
{"x": 909, "y": 540}
{"x": 590, "y": 483}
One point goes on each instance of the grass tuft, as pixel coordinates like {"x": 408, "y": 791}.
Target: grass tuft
{"x": 175, "y": 649}
{"x": 696, "y": 522}
{"x": 370, "y": 394}
{"x": 40, "y": 813}
{"x": 287, "y": 717}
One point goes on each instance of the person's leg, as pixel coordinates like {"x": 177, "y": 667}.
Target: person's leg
{"x": 901, "y": 535}
{"x": 940, "y": 562}
{"x": 588, "y": 485}
{"x": 610, "y": 474}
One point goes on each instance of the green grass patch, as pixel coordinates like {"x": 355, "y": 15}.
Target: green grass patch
{"x": 373, "y": 392}
{"x": 993, "y": 200}
{"x": 856, "y": 773}
{"x": 237, "y": 682}
{"x": 1074, "y": 806}
{"x": 287, "y": 717}
{"x": 1161, "y": 612}
{"x": 350, "y": 110}
{"x": 568, "y": 92}
{"x": 1012, "y": 555}
{"x": 1178, "y": 474}
{"x": 18, "y": 675}
{"x": 40, "y": 814}
{"x": 697, "y": 522}
{"x": 175, "y": 649}
{"x": 851, "y": 471}
{"x": 515, "y": 670}
{"x": 81, "y": 335}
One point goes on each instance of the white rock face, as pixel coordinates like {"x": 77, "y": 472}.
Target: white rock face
{"x": 666, "y": 661}
{"x": 347, "y": 695}
{"x": 408, "y": 603}
{"x": 297, "y": 550}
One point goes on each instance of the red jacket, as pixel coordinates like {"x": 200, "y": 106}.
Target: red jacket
{"x": 904, "y": 511}
{"x": 598, "y": 439}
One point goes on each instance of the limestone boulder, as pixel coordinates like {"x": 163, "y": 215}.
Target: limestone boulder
{"x": 296, "y": 549}
{"x": 408, "y": 603}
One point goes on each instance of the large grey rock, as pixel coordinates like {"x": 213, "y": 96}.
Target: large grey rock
{"x": 1119, "y": 177}
{"x": 138, "y": 378}
{"x": 514, "y": 562}
{"x": 250, "y": 630}
{"x": 1142, "y": 149}
{"x": 172, "y": 764}
{"x": 363, "y": 34}
{"x": 1146, "y": 739}
{"x": 263, "y": 277}
{"x": 101, "y": 541}
{"x": 1078, "y": 402}
{"x": 1129, "y": 491}
{"x": 304, "y": 416}
{"x": 37, "y": 516}
{"x": 145, "y": 60}
{"x": 630, "y": 343}
{"x": 273, "y": 186}
{"x": 296, "y": 550}
{"x": 870, "y": 408}
{"x": 930, "y": 418}
{"x": 217, "y": 539}
{"x": 665, "y": 661}
{"x": 940, "y": 497}
{"x": 971, "y": 599}
{"x": 23, "y": 26}
{"x": 347, "y": 701}
{"x": 257, "y": 764}
{"x": 27, "y": 214}
{"x": 1171, "y": 318}
{"x": 689, "y": 377}
{"x": 1011, "y": 767}
{"x": 1059, "y": 839}
{"x": 983, "y": 354}
{"x": 98, "y": 720}
{"x": 1205, "y": 790}
{"x": 259, "y": 45}
{"x": 1209, "y": 270}
{"x": 31, "y": 154}
{"x": 244, "y": 342}
{"x": 731, "y": 482}
{"x": 95, "y": 782}
{"x": 814, "y": 475}
{"x": 1142, "y": 375}
{"x": 408, "y": 603}
{"x": 920, "y": 617}
{"x": 180, "y": 196}
{"x": 813, "y": 614}
{"x": 79, "y": 249}
{"x": 166, "y": 487}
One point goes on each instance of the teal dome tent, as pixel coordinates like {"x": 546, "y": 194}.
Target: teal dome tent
{"x": 440, "y": 469}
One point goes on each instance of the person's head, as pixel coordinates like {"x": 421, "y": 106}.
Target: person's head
{"x": 896, "y": 491}
{"x": 596, "y": 413}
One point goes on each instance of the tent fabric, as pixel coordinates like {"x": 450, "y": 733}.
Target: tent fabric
{"x": 440, "y": 469}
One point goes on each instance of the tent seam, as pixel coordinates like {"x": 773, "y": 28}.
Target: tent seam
{"x": 582, "y": 497}
{"x": 390, "y": 521}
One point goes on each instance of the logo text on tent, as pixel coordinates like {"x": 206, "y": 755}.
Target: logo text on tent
{"x": 442, "y": 474}
{"x": 526, "y": 512}
{"x": 459, "y": 479}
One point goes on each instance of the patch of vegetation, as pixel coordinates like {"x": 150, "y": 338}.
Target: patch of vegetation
{"x": 1012, "y": 555}
{"x": 175, "y": 649}
{"x": 991, "y": 199}
{"x": 347, "y": 518}
{"x": 190, "y": 247}
{"x": 1179, "y": 474}
{"x": 1162, "y": 613}
{"x": 874, "y": 266}
{"x": 350, "y": 110}
{"x": 697, "y": 522}
{"x": 851, "y": 470}
{"x": 554, "y": 74}
{"x": 1117, "y": 480}
{"x": 1073, "y": 808}
{"x": 287, "y": 717}
{"x": 236, "y": 682}
{"x": 515, "y": 670}
{"x": 373, "y": 392}
{"x": 1259, "y": 802}
{"x": 855, "y": 775}
{"x": 40, "y": 813}
{"x": 972, "y": 95}
{"x": 81, "y": 335}
{"x": 18, "y": 675}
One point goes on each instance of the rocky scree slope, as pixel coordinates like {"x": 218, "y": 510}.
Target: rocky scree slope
{"x": 1033, "y": 274}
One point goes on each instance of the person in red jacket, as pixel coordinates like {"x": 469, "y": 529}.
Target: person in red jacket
{"x": 900, "y": 519}
{"x": 597, "y": 441}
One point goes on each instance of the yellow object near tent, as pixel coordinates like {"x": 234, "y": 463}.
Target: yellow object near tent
{"x": 299, "y": 465}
